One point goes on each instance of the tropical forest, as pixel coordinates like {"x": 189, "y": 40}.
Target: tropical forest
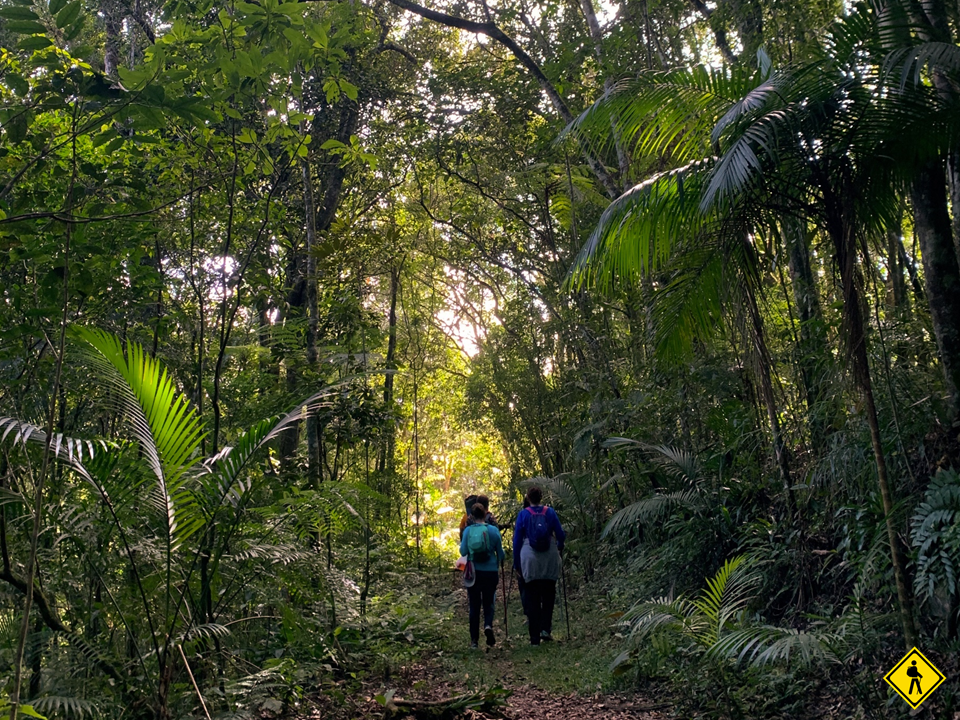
{"x": 327, "y": 324}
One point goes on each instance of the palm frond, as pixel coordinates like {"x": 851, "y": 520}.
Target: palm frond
{"x": 221, "y": 476}
{"x": 750, "y": 103}
{"x": 756, "y": 146}
{"x": 648, "y": 618}
{"x": 282, "y": 554}
{"x": 703, "y": 620}
{"x": 680, "y": 463}
{"x": 565, "y": 488}
{"x": 638, "y": 232}
{"x": 168, "y": 430}
{"x": 689, "y": 307}
{"x": 910, "y": 62}
{"x": 68, "y": 449}
{"x": 767, "y": 644}
{"x": 653, "y": 508}
{"x": 66, "y": 707}
{"x": 207, "y": 630}
{"x": 667, "y": 114}
{"x": 727, "y": 594}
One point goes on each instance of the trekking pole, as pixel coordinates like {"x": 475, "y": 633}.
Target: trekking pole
{"x": 506, "y": 623}
{"x": 563, "y": 587}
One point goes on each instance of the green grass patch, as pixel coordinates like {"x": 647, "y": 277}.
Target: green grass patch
{"x": 580, "y": 664}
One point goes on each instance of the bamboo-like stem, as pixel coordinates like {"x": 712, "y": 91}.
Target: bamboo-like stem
{"x": 194, "y": 682}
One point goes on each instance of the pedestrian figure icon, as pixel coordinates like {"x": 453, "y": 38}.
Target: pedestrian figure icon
{"x": 906, "y": 677}
{"x": 915, "y": 678}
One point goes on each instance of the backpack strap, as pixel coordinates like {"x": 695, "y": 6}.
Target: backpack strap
{"x": 533, "y": 513}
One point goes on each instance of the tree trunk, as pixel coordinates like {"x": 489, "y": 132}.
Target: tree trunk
{"x": 36, "y": 660}
{"x": 112, "y": 26}
{"x": 844, "y": 239}
{"x": 301, "y": 267}
{"x": 590, "y": 14}
{"x": 953, "y": 177}
{"x": 813, "y": 348}
{"x": 388, "y": 449}
{"x": 897, "y": 281}
{"x": 941, "y": 272}
{"x": 313, "y": 318}
{"x": 763, "y": 364}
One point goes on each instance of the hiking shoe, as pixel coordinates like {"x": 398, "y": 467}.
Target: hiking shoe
{"x": 491, "y": 640}
{"x": 474, "y": 646}
{"x": 544, "y": 635}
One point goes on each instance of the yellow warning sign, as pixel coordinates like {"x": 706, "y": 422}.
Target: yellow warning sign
{"x": 914, "y": 678}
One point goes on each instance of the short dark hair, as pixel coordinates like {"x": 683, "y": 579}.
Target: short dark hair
{"x": 535, "y": 495}
{"x": 526, "y": 501}
{"x": 478, "y": 511}
{"x": 484, "y": 500}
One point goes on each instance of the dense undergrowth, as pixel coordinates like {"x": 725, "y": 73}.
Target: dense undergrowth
{"x": 281, "y": 283}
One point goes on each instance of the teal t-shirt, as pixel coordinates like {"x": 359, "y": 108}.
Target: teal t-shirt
{"x": 494, "y": 542}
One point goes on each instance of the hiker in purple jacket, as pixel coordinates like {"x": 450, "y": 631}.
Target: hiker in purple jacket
{"x": 537, "y": 543}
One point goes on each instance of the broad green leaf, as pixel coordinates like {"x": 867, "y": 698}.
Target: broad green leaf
{"x": 17, "y": 12}
{"x": 332, "y": 90}
{"x": 34, "y": 42}
{"x": 68, "y": 14}
{"x": 26, "y": 27}
{"x": 104, "y": 137}
{"x": 74, "y": 30}
{"x": 293, "y": 9}
{"x": 349, "y": 89}
{"x": 16, "y": 82}
{"x": 249, "y": 8}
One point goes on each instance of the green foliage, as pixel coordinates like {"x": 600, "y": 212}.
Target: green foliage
{"x": 154, "y": 168}
{"x": 935, "y": 536}
{"x": 22, "y": 709}
{"x": 703, "y": 621}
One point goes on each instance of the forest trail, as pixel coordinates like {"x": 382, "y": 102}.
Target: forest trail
{"x": 526, "y": 700}
{"x": 567, "y": 679}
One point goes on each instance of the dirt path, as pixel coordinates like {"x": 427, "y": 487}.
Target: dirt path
{"x": 564, "y": 680}
{"x": 568, "y": 679}
{"x": 424, "y": 685}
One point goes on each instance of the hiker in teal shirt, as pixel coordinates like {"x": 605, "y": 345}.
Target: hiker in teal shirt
{"x": 481, "y": 544}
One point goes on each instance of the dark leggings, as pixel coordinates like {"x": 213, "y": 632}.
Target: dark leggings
{"x": 482, "y": 593}
{"x": 541, "y": 595}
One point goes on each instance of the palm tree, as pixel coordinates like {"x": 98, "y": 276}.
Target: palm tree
{"x": 163, "y": 500}
{"x": 821, "y": 142}
{"x": 704, "y": 259}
